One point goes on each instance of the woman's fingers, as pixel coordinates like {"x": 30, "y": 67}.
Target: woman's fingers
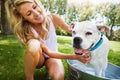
{"x": 85, "y": 58}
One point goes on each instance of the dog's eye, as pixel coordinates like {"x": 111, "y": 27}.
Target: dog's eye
{"x": 73, "y": 32}
{"x": 88, "y": 33}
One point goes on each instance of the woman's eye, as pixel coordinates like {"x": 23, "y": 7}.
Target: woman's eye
{"x": 88, "y": 33}
{"x": 73, "y": 32}
{"x": 34, "y": 7}
{"x": 28, "y": 13}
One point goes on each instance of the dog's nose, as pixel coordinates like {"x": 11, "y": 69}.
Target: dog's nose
{"x": 76, "y": 42}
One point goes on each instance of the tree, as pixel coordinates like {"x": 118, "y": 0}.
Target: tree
{"x": 112, "y": 14}
{"x": 55, "y": 6}
{"x": 0, "y": 17}
{"x": 5, "y": 29}
{"x": 72, "y": 14}
{"x": 80, "y": 12}
{"x": 116, "y": 35}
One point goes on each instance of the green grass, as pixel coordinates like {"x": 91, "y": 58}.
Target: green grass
{"x": 11, "y": 58}
{"x": 114, "y": 53}
{"x": 12, "y": 52}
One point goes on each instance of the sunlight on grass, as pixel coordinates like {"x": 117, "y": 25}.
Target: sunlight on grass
{"x": 65, "y": 44}
{"x": 64, "y": 40}
{"x": 4, "y": 42}
{"x": 115, "y": 45}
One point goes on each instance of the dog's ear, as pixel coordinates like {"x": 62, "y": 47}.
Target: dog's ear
{"x": 72, "y": 26}
{"x": 103, "y": 28}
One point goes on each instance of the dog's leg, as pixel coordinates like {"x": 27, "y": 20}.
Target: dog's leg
{"x": 98, "y": 72}
{"x": 98, "y": 69}
{"x": 32, "y": 58}
{"x": 103, "y": 72}
{"x": 104, "y": 68}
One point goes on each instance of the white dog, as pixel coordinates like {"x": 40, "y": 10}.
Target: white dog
{"x": 89, "y": 37}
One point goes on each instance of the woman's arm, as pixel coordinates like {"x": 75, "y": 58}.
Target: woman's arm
{"x": 53, "y": 54}
{"x": 58, "y": 22}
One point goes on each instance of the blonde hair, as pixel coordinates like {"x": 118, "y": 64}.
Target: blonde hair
{"x": 21, "y": 27}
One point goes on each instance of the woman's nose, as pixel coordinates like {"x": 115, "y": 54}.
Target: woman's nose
{"x": 36, "y": 13}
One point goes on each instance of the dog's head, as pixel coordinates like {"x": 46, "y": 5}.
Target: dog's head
{"x": 86, "y": 34}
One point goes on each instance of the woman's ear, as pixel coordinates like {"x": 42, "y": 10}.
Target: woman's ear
{"x": 103, "y": 28}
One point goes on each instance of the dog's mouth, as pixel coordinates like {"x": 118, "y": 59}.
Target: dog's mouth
{"x": 80, "y": 51}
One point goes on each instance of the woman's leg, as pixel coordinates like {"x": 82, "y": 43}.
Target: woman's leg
{"x": 55, "y": 69}
{"x": 32, "y": 58}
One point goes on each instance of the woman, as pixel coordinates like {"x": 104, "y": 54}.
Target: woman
{"x": 36, "y": 30}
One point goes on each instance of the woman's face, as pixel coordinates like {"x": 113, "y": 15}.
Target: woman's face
{"x": 31, "y": 12}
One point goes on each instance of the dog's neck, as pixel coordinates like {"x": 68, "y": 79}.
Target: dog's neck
{"x": 98, "y": 43}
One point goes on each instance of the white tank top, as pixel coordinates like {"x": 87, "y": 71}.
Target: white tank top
{"x": 51, "y": 41}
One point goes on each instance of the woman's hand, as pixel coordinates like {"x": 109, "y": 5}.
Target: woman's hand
{"x": 85, "y": 58}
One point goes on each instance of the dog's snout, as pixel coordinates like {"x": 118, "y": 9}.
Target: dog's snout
{"x": 76, "y": 42}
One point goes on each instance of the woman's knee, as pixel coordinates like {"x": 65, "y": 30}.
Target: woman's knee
{"x": 57, "y": 76}
{"x": 33, "y": 45}
{"x": 56, "y": 70}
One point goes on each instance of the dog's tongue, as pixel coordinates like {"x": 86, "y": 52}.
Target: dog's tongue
{"x": 80, "y": 51}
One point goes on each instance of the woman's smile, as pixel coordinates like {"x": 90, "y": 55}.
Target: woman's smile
{"x": 39, "y": 17}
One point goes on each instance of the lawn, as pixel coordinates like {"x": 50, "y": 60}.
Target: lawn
{"x": 12, "y": 52}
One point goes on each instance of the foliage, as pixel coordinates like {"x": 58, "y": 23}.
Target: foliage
{"x": 116, "y": 35}
{"x": 80, "y": 12}
{"x": 72, "y": 15}
{"x": 112, "y": 14}
{"x": 55, "y": 6}
{"x": 61, "y": 32}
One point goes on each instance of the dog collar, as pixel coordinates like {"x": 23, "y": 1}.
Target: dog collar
{"x": 98, "y": 43}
